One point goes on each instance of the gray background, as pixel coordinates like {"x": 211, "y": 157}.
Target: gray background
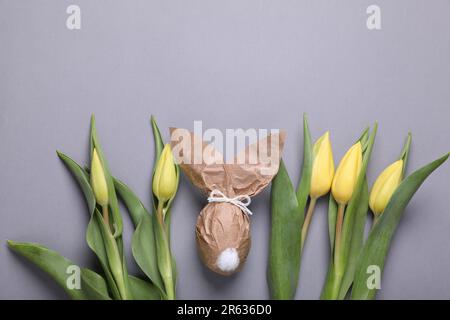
{"x": 231, "y": 64}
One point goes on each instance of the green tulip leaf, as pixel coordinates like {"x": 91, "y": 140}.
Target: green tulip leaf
{"x": 332, "y": 216}
{"x": 91, "y": 287}
{"x": 404, "y": 155}
{"x": 364, "y": 139}
{"x": 285, "y": 238}
{"x": 159, "y": 144}
{"x": 377, "y": 245}
{"x": 357, "y": 241}
{"x": 174, "y": 270}
{"x": 134, "y": 206}
{"x": 304, "y": 185}
{"x": 288, "y": 210}
{"x": 143, "y": 290}
{"x": 165, "y": 258}
{"x": 95, "y": 242}
{"x": 115, "y": 257}
{"x": 82, "y": 178}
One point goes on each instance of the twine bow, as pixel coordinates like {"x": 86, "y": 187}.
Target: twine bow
{"x": 242, "y": 202}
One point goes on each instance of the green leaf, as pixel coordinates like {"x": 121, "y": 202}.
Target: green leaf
{"x": 404, "y": 155}
{"x": 119, "y": 241}
{"x": 288, "y": 211}
{"x": 95, "y": 242}
{"x": 82, "y": 178}
{"x": 332, "y": 216}
{"x": 357, "y": 241}
{"x": 143, "y": 290}
{"x": 304, "y": 185}
{"x": 134, "y": 206}
{"x": 364, "y": 139}
{"x": 115, "y": 257}
{"x": 95, "y": 282}
{"x": 330, "y": 281}
{"x": 159, "y": 144}
{"x": 285, "y": 238}
{"x": 174, "y": 271}
{"x": 143, "y": 242}
{"x": 113, "y": 204}
{"x": 377, "y": 245}
{"x": 285, "y": 241}
{"x": 92, "y": 286}
{"x": 164, "y": 258}
{"x": 142, "y": 250}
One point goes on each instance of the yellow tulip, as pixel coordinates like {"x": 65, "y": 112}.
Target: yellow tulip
{"x": 165, "y": 177}
{"x": 323, "y": 167}
{"x": 98, "y": 180}
{"x": 347, "y": 174}
{"x": 384, "y": 187}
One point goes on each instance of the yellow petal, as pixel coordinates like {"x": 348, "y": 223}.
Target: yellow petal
{"x": 98, "y": 180}
{"x": 347, "y": 174}
{"x": 323, "y": 167}
{"x": 165, "y": 177}
{"x": 384, "y": 186}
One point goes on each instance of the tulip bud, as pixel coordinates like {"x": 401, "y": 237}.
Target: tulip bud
{"x": 347, "y": 174}
{"x": 384, "y": 187}
{"x": 323, "y": 167}
{"x": 98, "y": 180}
{"x": 165, "y": 177}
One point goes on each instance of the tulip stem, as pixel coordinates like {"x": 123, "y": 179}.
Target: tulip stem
{"x": 105, "y": 214}
{"x": 338, "y": 271}
{"x": 160, "y": 213}
{"x": 376, "y": 218}
{"x": 338, "y": 235}
{"x": 307, "y": 222}
{"x": 166, "y": 268}
{"x": 114, "y": 257}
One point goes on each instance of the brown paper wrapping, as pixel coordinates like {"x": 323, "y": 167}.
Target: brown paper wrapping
{"x": 222, "y": 229}
{"x": 221, "y": 226}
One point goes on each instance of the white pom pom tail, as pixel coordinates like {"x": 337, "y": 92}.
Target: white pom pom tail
{"x": 228, "y": 260}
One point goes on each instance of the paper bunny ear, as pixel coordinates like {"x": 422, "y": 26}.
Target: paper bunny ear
{"x": 250, "y": 177}
{"x": 199, "y": 160}
{"x": 249, "y": 173}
